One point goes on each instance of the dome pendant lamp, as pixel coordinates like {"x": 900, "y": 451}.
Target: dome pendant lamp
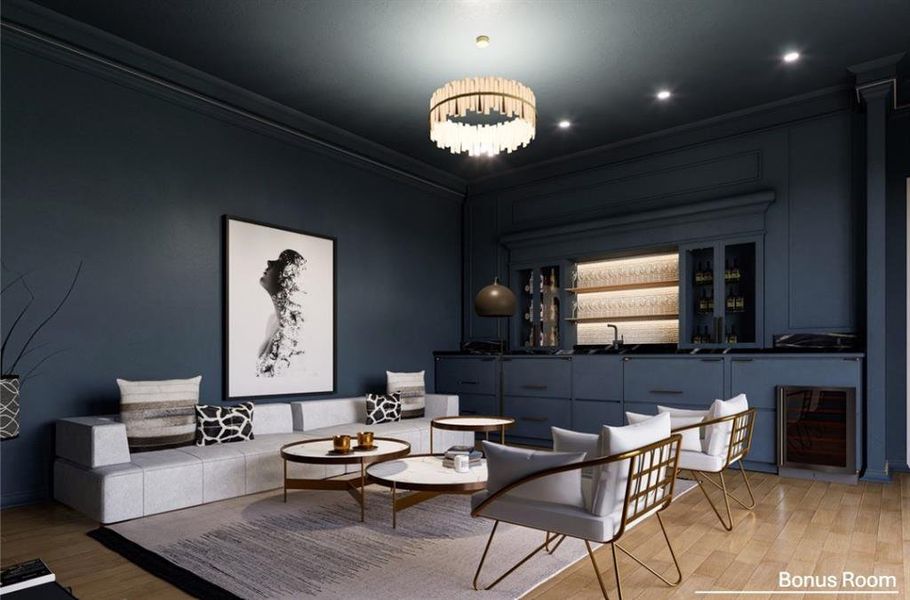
{"x": 495, "y": 300}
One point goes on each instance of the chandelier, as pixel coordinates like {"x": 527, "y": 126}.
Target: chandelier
{"x": 512, "y": 101}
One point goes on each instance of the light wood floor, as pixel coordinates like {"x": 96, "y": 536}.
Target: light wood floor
{"x": 800, "y": 526}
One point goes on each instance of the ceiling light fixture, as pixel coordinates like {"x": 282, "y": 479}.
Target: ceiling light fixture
{"x": 664, "y": 95}
{"x": 482, "y": 41}
{"x": 565, "y": 124}
{"x": 452, "y": 105}
{"x": 790, "y": 57}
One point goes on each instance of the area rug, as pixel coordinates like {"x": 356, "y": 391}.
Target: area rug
{"x": 258, "y": 547}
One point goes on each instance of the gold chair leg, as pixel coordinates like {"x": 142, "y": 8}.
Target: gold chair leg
{"x": 728, "y": 524}
{"x": 732, "y": 497}
{"x": 545, "y": 544}
{"x": 600, "y": 580}
{"x": 553, "y": 549}
{"x": 672, "y": 555}
{"x": 483, "y": 557}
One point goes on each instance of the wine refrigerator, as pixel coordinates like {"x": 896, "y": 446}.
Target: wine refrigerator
{"x": 817, "y": 428}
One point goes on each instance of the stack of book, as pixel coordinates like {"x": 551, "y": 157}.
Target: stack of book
{"x": 25, "y": 575}
{"x": 475, "y": 456}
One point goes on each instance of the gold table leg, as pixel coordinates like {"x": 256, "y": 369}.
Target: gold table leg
{"x": 395, "y": 503}
{"x": 363, "y": 483}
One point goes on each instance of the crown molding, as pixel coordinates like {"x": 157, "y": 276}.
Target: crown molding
{"x": 57, "y": 37}
{"x": 746, "y": 121}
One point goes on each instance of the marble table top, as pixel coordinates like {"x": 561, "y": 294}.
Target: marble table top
{"x": 469, "y": 423}
{"x": 427, "y": 472}
{"x": 321, "y": 450}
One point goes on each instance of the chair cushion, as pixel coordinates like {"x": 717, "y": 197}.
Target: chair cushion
{"x": 159, "y": 414}
{"x": 506, "y": 464}
{"x": 691, "y": 439}
{"x": 719, "y": 440}
{"x": 316, "y": 414}
{"x": 610, "y": 481}
{"x": 412, "y": 391}
{"x": 273, "y": 417}
{"x": 704, "y": 433}
{"x": 573, "y": 521}
{"x": 566, "y": 440}
{"x": 700, "y": 461}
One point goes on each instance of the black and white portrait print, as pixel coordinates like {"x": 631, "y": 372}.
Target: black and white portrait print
{"x": 280, "y": 313}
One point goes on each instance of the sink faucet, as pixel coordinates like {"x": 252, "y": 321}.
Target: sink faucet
{"x": 617, "y": 341}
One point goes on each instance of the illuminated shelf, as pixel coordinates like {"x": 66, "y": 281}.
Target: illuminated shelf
{"x": 619, "y": 288}
{"x": 621, "y": 319}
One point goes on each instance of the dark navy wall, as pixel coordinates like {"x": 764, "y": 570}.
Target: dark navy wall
{"x": 135, "y": 185}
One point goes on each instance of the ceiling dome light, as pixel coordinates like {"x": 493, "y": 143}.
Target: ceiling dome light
{"x": 482, "y": 41}
{"x": 790, "y": 57}
{"x": 664, "y": 95}
{"x": 454, "y": 103}
{"x": 565, "y": 124}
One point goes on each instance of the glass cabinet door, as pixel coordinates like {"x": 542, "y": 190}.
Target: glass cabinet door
{"x": 700, "y": 310}
{"x": 539, "y": 307}
{"x": 739, "y": 282}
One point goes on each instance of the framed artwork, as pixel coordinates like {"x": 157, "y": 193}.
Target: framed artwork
{"x": 279, "y": 310}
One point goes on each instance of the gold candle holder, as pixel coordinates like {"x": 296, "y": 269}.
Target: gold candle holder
{"x": 342, "y": 443}
{"x": 365, "y": 438}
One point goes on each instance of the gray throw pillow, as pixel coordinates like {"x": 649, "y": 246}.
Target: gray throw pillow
{"x": 411, "y": 389}
{"x": 506, "y": 464}
{"x": 159, "y": 414}
{"x": 566, "y": 440}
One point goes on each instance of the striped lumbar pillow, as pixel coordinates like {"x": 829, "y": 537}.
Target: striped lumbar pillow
{"x": 411, "y": 389}
{"x": 159, "y": 414}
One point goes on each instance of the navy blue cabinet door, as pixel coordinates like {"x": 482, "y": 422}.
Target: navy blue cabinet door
{"x": 534, "y": 416}
{"x": 673, "y": 381}
{"x": 597, "y": 377}
{"x": 466, "y": 375}
{"x": 546, "y": 377}
{"x": 591, "y": 415}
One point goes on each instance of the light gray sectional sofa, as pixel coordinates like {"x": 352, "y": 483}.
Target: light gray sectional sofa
{"x": 96, "y": 474}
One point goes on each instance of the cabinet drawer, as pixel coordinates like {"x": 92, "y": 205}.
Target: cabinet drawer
{"x": 591, "y": 415}
{"x": 472, "y": 404}
{"x": 544, "y": 377}
{"x": 459, "y": 375}
{"x": 534, "y": 416}
{"x": 758, "y": 378}
{"x": 693, "y": 381}
{"x": 597, "y": 377}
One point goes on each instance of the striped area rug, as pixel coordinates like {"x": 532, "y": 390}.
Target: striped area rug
{"x": 258, "y": 547}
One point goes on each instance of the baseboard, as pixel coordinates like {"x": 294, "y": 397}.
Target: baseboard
{"x": 876, "y": 475}
{"x": 23, "y": 498}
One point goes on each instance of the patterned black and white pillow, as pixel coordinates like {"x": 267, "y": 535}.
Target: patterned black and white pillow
{"x": 224, "y": 424}
{"x": 383, "y": 408}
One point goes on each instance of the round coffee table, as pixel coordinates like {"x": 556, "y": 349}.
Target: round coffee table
{"x": 472, "y": 423}
{"x": 321, "y": 452}
{"x": 425, "y": 477}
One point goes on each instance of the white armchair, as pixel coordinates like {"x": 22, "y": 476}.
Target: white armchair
{"x": 546, "y": 491}
{"x": 727, "y": 441}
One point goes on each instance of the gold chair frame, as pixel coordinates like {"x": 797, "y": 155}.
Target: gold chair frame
{"x": 740, "y": 443}
{"x": 645, "y": 494}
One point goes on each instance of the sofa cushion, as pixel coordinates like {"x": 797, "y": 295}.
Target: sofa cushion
{"x": 701, "y": 461}
{"x": 92, "y": 441}
{"x": 106, "y": 494}
{"x": 412, "y": 390}
{"x": 171, "y": 479}
{"x": 272, "y": 417}
{"x": 316, "y": 414}
{"x": 223, "y": 470}
{"x": 159, "y": 414}
{"x": 224, "y": 424}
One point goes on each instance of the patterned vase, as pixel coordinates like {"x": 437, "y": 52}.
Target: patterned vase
{"x": 9, "y": 407}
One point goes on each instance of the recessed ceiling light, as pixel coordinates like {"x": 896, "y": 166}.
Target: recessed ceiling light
{"x": 790, "y": 57}
{"x": 565, "y": 124}
{"x": 664, "y": 95}
{"x": 482, "y": 41}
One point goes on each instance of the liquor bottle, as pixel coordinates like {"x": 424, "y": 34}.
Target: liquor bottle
{"x": 732, "y": 338}
{"x": 553, "y": 287}
{"x": 728, "y": 272}
{"x": 711, "y": 303}
{"x": 731, "y": 300}
{"x": 735, "y": 273}
{"x": 703, "y": 302}
{"x": 740, "y": 302}
{"x": 709, "y": 273}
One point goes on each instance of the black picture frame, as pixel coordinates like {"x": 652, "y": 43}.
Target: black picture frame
{"x": 225, "y": 296}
